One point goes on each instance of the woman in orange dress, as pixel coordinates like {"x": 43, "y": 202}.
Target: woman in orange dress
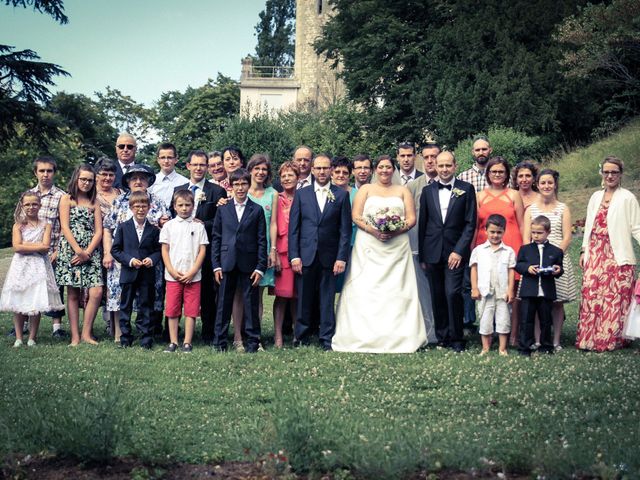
{"x": 498, "y": 198}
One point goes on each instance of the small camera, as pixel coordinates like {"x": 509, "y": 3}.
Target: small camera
{"x": 545, "y": 270}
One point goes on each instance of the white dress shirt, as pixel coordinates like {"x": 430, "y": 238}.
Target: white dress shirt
{"x": 164, "y": 186}
{"x": 444, "y": 196}
{"x": 240, "y": 209}
{"x": 321, "y": 194}
{"x": 305, "y": 182}
{"x": 196, "y": 194}
{"x": 184, "y": 237}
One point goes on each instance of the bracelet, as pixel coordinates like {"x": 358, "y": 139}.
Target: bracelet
{"x": 274, "y": 249}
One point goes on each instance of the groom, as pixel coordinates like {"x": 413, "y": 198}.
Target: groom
{"x": 319, "y": 244}
{"x": 446, "y": 228}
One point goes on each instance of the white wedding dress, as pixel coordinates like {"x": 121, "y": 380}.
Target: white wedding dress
{"x": 379, "y": 309}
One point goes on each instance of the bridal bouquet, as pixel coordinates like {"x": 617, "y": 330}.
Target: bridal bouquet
{"x": 387, "y": 219}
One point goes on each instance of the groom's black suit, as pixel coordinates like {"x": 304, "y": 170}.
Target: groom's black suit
{"x": 438, "y": 239}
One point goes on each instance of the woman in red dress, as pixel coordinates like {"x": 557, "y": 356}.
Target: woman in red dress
{"x": 498, "y": 198}
{"x": 613, "y": 220}
{"x": 284, "y": 282}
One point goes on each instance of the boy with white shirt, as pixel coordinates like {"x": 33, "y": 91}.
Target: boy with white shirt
{"x": 183, "y": 252}
{"x": 492, "y": 279}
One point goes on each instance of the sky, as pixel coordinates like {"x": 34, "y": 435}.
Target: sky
{"x": 140, "y": 47}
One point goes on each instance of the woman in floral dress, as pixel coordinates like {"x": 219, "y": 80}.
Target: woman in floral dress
{"x": 613, "y": 220}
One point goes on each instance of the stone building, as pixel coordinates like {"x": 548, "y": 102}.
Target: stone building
{"x": 311, "y": 81}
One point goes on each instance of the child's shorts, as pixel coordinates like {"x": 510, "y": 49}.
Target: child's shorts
{"x": 490, "y": 307}
{"x": 179, "y": 294}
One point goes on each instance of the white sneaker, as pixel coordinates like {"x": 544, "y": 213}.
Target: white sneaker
{"x": 31, "y": 343}
{"x": 17, "y": 343}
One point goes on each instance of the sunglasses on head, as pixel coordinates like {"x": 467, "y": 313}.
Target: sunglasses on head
{"x": 128, "y": 146}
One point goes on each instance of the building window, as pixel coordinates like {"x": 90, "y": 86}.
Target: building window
{"x": 319, "y": 3}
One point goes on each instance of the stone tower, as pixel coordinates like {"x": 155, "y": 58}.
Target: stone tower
{"x": 311, "y": 82}
{"x": 318, "y": 83}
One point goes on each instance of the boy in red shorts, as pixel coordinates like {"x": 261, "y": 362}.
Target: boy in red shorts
{"x": 183, "y": 250}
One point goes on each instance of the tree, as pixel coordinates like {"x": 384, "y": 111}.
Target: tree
{"x": 602, "y": 44}
{"x": 84, "y": 116}
{"x": 191, "y": 119}
{"x": 54, "y": 8}
{"x": 275, "y": 33}
{"x": 125, "y": 114}
{"x": 25, "y": 82}
{"x": 454, "y": 69}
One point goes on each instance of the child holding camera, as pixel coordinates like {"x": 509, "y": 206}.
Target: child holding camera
{"x": 539, "y": 263}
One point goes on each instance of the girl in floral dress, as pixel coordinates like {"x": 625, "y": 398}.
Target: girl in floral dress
{"x": 79, "y": 257}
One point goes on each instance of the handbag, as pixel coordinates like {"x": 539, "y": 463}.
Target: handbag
{"x": 631, "y": 328}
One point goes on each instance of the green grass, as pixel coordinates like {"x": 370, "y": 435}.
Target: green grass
{"x": 377, "y": 415}
{"x": 371, "y": 415}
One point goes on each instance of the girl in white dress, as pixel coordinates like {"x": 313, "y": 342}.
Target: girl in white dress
{"x": 379, "y": 309}
{"x": 30, "y": 287}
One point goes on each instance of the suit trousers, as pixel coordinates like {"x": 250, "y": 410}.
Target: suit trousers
{"x": 145, "y": 291}
{"x": 316, "y": 281}
{"x": 251, "y": 321}
{"x": 529, "y": 306}
{"x": 208, "y": 297}
{"x": 448, "y": 305}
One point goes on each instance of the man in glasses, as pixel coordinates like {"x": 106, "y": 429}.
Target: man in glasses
{"x": 406, "y": 158}
{"x": 167, "y": 179}
{"x": 126, "y": 147}
{"x": 362, "y": 170}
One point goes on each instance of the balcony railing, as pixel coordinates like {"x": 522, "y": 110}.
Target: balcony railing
{"x": 269, "y": 72}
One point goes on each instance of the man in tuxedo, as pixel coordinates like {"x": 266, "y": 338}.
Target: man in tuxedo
{"x": 126, "y": 147}
{"x": 319, "y": 244}
{"x": 239, "y": 260}
{"x": 206, "y": 196}
{"x": 429, "y": 153}
{"x": 446, "y": 227}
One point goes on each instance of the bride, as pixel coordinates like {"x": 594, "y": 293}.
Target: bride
{"x": 379, "y": 309}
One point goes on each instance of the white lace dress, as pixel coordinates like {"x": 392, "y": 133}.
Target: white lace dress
{"x": 30, "y": 286}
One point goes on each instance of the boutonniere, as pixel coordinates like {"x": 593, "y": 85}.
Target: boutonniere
{"x": 201, "y": 196}
{"x": 330, "y": 196}
{"x": 457, "y": 192}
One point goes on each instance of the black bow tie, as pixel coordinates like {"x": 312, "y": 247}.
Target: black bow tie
{"x": 442, "y": 185}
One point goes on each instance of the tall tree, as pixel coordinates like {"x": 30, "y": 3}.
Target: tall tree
{"x": 25, "y": 81}
{"x": 455, "y": 69}
{"x": 602, "y": 44}
{"x": 125, "y": 114}
{"x": 190, "y": 119}
{"x": 275, "y": 32}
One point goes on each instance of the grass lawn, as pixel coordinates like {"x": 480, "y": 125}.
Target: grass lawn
{"x": 352, "y": 414}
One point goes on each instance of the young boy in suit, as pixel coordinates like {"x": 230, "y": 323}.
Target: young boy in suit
{"x": 239, "y": 259}
{"x": 184, "y": 244}
{"x": 539, "y": 263}
{"x": 137, "y": 248}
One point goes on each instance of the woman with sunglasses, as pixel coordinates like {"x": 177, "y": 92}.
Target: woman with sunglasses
{"x": 608, "y": 261}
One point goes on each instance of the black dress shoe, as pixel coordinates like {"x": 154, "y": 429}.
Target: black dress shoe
{"x": 524, "y": 353}
{"x": 327, "y": 348}
{"x": 457, "y": 347}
